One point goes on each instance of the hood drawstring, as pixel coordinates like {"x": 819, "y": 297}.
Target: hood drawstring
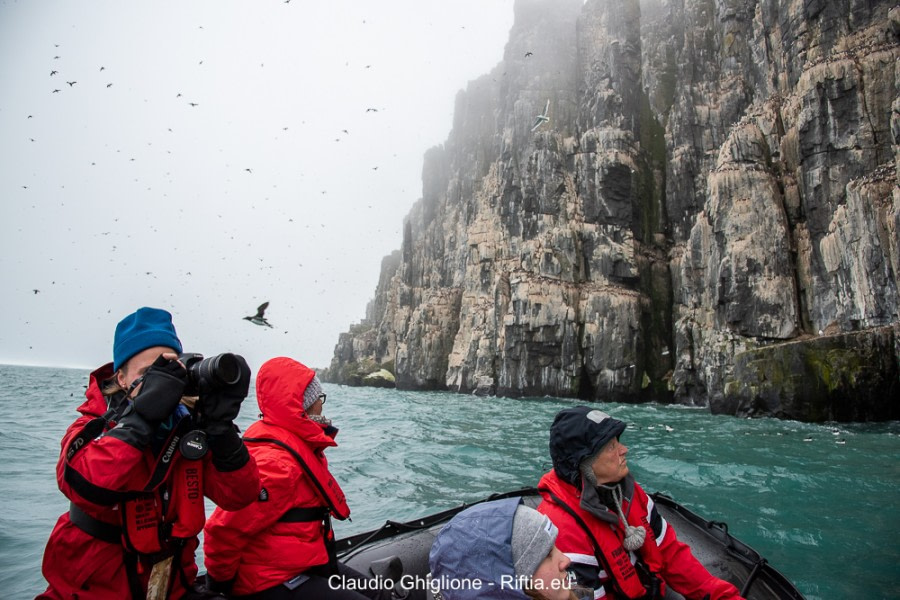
{"x": 634, "y": 536}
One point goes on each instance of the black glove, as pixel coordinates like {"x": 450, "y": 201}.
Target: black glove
{"x": 221, "y": 405}
{"x": 161, "y": 391}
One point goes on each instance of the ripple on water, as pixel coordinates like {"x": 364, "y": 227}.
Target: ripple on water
{"x": 824, "y": 513}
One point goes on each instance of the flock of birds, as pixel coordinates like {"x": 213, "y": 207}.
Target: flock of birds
{"x": 259, "y": 318}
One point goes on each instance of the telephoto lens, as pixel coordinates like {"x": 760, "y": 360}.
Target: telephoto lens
{"x": 210, "y": 373}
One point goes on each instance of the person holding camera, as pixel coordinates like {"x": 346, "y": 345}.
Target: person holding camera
{"x": 138, "y": 462}
{"x": 282, "y": 546}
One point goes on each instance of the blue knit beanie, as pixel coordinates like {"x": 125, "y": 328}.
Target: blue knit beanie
{"x": 142, "y": 329}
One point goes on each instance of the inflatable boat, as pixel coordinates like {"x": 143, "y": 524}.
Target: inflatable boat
{"x": 724, "y": 555}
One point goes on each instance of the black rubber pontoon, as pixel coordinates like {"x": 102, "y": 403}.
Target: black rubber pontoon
{"x": 724, "y": 555}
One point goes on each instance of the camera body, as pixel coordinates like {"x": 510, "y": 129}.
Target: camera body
{"x": 206, "y": 374}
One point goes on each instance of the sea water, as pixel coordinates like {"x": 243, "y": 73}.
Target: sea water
{"x": 819, "y": 501}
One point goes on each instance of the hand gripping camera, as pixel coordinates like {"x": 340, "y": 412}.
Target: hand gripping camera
{"x": 205, "y": 374}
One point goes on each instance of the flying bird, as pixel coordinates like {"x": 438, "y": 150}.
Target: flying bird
{"x": 542, "y": 118}
{"x": 527, "y": 54}
{"x": 55, "y": 92}
{"x": 258, "y": 318}
{"x": 192, "y": 103}
{"x": 52, "y": 73}
{"x": 109, "y": 85}
{"x": 71, "y": 83}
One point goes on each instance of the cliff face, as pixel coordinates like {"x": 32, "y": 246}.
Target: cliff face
{"x": 716, "y": 177}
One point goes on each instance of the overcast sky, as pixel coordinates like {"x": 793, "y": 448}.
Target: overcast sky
{"x": 207, "y": 156}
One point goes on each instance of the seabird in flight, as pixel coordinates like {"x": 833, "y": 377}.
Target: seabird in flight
{"x": 542, "y": 118}
{"x": 258, "y": 318}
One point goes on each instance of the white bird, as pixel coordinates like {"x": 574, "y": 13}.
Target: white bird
{"x": 543, "y": 117}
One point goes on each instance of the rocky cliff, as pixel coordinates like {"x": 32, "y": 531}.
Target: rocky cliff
{"x": 716, "y": 178}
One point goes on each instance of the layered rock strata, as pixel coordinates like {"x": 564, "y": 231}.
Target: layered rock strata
{"x": 716, "y": 177}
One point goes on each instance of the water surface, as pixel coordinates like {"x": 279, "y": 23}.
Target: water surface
{"x": 820, "y": 502}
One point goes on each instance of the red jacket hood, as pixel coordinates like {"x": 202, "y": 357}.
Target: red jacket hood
{"x": 280, "y": 384}
{"x": 95, "y": 405}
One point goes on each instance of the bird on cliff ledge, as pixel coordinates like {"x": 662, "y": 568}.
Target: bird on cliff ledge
{"x": 258, "y": 318}
{"x": 542, "y": 118}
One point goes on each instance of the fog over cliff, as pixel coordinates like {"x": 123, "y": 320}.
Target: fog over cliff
{"x": 710, "y": 216}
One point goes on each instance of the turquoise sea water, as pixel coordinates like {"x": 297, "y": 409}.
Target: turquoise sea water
{"x": 820, "y": 502}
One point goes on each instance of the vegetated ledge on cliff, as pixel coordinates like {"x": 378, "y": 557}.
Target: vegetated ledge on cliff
{"x": 709, "y": 213}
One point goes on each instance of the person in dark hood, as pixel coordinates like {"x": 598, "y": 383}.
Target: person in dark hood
{"x": 618, "y": 542}
{"x": 499, "y": 550}
{"x": 282, "y": 545}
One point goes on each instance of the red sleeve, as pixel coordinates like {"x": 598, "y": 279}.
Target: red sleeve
{"x": 232, "y": 490}
{"x": 106, "y": 462}
{"x": 227, "y": 531}
{"x": 686, "y": 575}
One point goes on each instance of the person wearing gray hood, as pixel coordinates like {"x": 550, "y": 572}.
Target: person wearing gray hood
{"x": 499, "y": 550}
{"x": 618, "y": 542}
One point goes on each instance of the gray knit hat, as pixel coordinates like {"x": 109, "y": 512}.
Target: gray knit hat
{"x": 312, "y": 392}
{"x": 533, "y": 536}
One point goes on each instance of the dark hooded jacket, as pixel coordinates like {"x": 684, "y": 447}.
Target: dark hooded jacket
{"x": 576, "y": 434}
{"x": 474, "y": 551}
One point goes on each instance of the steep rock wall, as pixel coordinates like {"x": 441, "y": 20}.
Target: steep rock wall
{"x": 715, "y": 177}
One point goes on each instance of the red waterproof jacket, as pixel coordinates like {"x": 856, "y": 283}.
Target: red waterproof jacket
{"x": 614, "y": 576}
{"x": 260, "y": 546}
{"x": 78, "y": 565}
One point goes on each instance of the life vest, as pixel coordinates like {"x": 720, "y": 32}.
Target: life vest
{"x": 157, "y": 518}
{"x": 332, "y": 501}
{"x": 561, "y": 502}
{"x": 326, "y": 486}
